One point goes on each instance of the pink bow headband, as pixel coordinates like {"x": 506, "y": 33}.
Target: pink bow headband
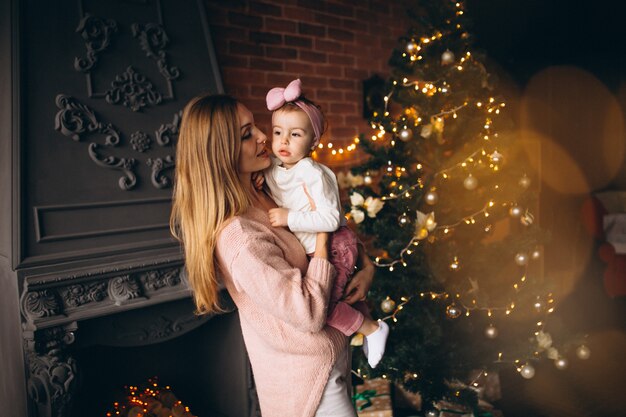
{"x": 278, "y": 97}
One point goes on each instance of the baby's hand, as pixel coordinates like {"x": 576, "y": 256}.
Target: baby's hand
{"x": 258, "y": 179}
{"x": 279, "y": 217}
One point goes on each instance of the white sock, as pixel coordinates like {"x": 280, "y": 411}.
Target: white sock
{"x": 374, "y": 344}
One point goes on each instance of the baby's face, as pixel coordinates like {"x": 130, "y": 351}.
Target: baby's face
{"x": 292, "y": 136}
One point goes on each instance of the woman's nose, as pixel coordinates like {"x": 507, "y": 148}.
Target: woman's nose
{"x": 261, "y": 138}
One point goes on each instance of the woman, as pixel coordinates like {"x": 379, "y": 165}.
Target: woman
{"x": 299, "y": 365}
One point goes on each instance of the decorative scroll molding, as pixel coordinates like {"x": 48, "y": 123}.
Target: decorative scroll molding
{"x": 76, "y": 120}
{"x": 153, "y": 41}
{"x": 133, "y": 90}
{"x": 168, "y": 133}
{"x": 129, "y": 179}
{"x": 52, "y": 372}
{"x": 124, "y": 288}
{"x": 154, "y": 280}
{"x": 159, "y": 180}
{"x": 38, "y": 304}
{"x": 80, "y": 294}
{"x": 161, "y": 328}
{"x": 68, "y": 296}
{"x": 97, "y": 33}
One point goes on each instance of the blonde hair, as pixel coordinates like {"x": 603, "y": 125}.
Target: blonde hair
{"x": 207, "y": 189}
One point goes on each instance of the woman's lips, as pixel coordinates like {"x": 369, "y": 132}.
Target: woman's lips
{"x": 263, "y": 153}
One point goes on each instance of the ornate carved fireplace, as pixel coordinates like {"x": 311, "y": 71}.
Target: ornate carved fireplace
{"x": 91, "y": 101}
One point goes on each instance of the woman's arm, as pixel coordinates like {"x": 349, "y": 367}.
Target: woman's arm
{"x": 360, "y": 284}
{"x": 259, "y": 269}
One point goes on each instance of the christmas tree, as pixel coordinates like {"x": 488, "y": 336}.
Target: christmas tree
{"x": 446, "y": 204}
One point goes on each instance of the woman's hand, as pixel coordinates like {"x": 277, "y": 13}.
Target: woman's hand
{"x": 360, "y": 284}
{"x": 258, "y": 179}
{"x": 321, "y": 245}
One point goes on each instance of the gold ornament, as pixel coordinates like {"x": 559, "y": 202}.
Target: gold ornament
{"x": 583, "y": 352}
{"x": 388, "y": 305}
{"x": 470, "y": 183}
{"x": 447, "y": 57}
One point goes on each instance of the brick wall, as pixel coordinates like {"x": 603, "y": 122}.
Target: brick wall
{"x": 331, "y": 45}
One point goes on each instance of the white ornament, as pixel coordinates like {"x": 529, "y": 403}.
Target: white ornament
{"x": 470, "y": 183}
{"x": 561, "y": 363}
{"x": 424, "y": 224}
{"x": 447, "y": 57}
{"x": 527, "y": 371}
{"x": 406, "y": 134}
{"x": 357, "y": 215}
{"x": 373, "y": 206}
{"x": 431, "y": 197}
{"x": 527, "y": 219}
{"x": 411, "y": 46}
{"x": 583, "y": 352}
{"x": 491, "y": 331}
{"x": 496, "y": 157}
{"x": 521, "y": 259}
{"x": 426, "y": 131}
{"x": 367, "y": 179}
{"x": 536, "y": 254}
{"x": 404, "y": 219}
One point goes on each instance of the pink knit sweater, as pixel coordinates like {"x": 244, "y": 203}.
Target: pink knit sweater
{"x": 282, "y": 304}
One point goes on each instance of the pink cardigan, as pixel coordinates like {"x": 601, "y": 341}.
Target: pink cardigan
{"x": 282, "y": 304}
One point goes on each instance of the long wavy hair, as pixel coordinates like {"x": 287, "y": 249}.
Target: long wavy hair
{"x": 207, "y": 189}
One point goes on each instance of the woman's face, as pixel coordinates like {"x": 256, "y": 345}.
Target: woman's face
{"x": 253, "y": 156}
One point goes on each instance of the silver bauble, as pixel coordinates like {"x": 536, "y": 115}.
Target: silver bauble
{"x": 491, "y": 331}
{"x": 431, "y": 197}
{"x": 583, "y": 352}
{"x": 405, "y": 134}
{"x": 367, "y": 179}
{"x": 561, "y": 363}
{"x": 527, "y": 371}
{"x": 404, "y": 219}
{"x": 453, "y": 311}
{"x": 515, "y": 211}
